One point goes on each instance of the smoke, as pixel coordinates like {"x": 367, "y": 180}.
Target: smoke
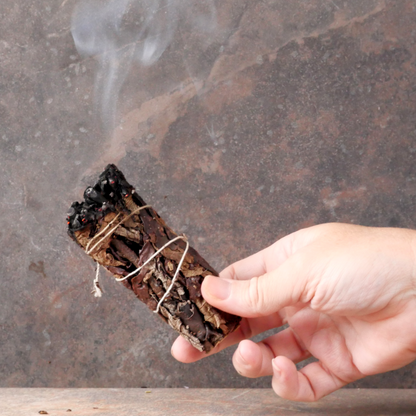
{"x": 121, "y": 32}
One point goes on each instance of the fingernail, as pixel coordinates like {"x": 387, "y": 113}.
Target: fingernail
{"x": 277, "y": 372}
{"x": 217, "y": 287}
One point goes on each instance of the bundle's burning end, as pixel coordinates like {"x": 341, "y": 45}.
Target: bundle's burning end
{"x": 127, "y": 237}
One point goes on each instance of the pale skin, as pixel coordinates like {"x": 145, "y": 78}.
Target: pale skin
{"x": 348, "y": 294}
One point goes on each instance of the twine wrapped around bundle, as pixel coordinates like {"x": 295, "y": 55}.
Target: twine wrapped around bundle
{"x": 121, "y": 233}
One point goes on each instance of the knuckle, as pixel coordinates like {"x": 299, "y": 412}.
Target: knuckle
{"x": 231, "y": 272}
{"x": 255, "y": 297}
{"x": 246, "y": 329}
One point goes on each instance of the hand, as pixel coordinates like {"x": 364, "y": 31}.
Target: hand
{"x": 348, "y": 294}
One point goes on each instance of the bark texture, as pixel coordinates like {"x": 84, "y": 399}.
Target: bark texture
{"x": 130, "y": 240}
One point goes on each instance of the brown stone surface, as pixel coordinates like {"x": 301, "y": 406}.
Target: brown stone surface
{"x": 201, "y": 402}
{"x": 289, "y": 114}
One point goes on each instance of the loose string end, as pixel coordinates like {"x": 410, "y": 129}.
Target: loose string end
{"x": 97, "y": 291}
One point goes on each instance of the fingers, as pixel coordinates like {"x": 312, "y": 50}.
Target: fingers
{"x": 307, "y": 385}
{"x": 335, "y": 367}
{"x": 254, "y": 265}
{"x": 255, "y": 360}
{"x": 263, "y": 261}
{"x": 260, "y": 296}
{"x": 260, "y": 262}
{"x": 184, "y": 352}
{"x": 284, "y": 269}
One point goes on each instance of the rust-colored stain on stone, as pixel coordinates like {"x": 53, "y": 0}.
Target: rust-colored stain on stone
{"x": 38, "y": 267}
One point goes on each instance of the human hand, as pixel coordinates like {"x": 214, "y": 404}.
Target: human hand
{"x": 348, "y": 294}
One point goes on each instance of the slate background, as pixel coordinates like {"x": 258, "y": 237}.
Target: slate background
{"x": 288, "y": 114}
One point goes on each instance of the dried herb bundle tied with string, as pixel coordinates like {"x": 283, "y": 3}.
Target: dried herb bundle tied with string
{"x": 127, "y": 237}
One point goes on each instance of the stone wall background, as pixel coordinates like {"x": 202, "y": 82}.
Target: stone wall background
{"x": 290, "y": 114}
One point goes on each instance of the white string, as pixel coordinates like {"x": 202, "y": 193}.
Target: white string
{"x": 97, "y": 289}
{"x": 175, "y": 276}
{"x": 97, "y": 235}
{"x": 89, "y": 251}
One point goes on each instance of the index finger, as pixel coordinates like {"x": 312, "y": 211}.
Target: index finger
{"x": 261, "y": 262}
{"x": 254, "y": 265}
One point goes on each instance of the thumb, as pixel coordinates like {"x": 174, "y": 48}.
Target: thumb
{"x": 258, "y": 296}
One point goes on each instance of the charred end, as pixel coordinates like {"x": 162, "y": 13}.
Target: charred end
{"x": 107, "y": 195}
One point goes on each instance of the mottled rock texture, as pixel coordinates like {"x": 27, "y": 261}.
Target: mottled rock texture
{"x": 289, "y": 114}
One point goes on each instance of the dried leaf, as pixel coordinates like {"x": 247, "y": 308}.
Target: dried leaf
{"x": 126, "y": 242}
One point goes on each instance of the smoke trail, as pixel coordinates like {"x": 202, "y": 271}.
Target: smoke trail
{"x": 120, "y": 32}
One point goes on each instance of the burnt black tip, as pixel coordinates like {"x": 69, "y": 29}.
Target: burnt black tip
{"x": 106, "y": 195}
